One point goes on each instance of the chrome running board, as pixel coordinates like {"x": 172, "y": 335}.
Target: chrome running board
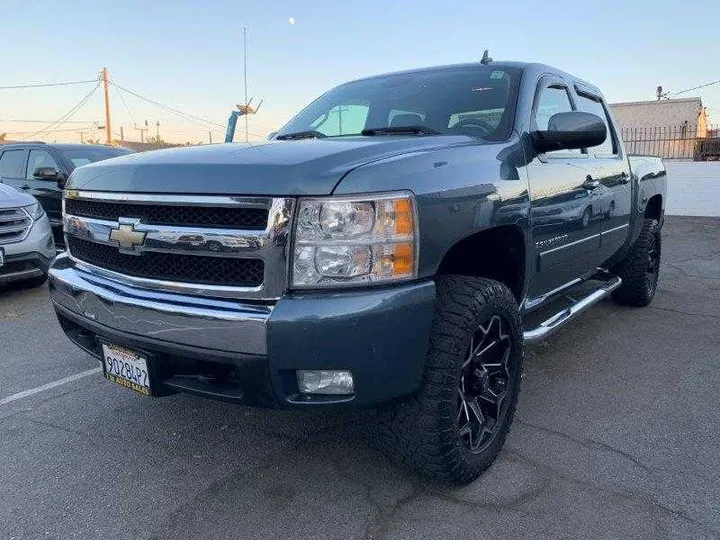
{"x": 547, "y": 327}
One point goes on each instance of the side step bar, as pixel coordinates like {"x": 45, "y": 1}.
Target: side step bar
{"x": 556, "y": 321}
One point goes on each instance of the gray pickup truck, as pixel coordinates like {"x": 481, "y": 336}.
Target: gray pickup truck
{"x": 394, "y": 245}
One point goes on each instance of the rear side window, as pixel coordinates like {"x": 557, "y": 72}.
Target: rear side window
{"x": 596, "y": 107}
{"x": 12, "y": 164}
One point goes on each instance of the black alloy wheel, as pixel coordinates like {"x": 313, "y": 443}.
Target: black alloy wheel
{"x": 484, "y": 385}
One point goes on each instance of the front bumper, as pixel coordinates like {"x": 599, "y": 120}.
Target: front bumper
{"x": 249, "y": 352}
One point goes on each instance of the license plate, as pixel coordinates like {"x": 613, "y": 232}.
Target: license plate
{"x": 126, "y": 368}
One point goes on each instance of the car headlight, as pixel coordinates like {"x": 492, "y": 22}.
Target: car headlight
{"x": 346, "y": 241}
{"x": 35, "y": 210}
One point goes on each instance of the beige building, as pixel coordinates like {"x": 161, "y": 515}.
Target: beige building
{"x": 669, "y": 128}
{"x": 672, "y": 113}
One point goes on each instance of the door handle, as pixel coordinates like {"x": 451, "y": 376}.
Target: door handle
{"x": 589, "y": 183}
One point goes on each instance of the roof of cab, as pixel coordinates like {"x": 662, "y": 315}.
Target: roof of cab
{"x": 528, "y": 67}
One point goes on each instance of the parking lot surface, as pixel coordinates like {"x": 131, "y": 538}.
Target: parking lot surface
{"x": 616, "y": 436}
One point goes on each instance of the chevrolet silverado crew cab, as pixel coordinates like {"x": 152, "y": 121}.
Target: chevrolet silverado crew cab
{"x": 394, "y": 245}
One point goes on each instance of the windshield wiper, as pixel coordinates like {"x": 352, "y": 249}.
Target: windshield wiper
{"x": 301, "y": 135}
{"x": 391, "y": 130}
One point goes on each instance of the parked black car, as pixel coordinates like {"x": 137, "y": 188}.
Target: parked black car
{"x": 41, "y": 169}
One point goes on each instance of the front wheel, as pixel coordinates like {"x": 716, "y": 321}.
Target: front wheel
{"x": 455, "y": 428}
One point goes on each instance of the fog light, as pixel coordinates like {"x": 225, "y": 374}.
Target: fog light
{"x": 325, "y": 382}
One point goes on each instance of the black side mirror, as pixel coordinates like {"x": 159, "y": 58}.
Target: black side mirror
{"x": 569, "y": 130}
{"x": 46, "y": 173}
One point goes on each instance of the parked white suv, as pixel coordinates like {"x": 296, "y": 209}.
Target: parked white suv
{"x": 26, "y": 243}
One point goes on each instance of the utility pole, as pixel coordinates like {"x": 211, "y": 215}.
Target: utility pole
{"x": 157, "y": 130}
{"x": 245, "y": 75}
{"x": 106, "y": 87}
{"x": 210, "y": 136}
{"x": 122, "y": 134}
{"x": 142, "y": 131}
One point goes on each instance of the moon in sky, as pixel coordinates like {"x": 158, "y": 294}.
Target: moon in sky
{"x": 291, "y": 20}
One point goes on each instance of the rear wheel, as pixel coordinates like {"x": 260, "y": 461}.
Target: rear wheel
{"x": 585, "y": 220}
{"x": 640, "y": 268}
{"x": 456, "y": 426}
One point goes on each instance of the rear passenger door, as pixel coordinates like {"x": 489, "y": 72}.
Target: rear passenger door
{"x": 612, "y": 198}
{"x": 12, "y": 167}
{"x": 566, "y": 234}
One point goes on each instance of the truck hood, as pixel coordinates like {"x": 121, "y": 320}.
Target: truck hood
{"x": 12, "y": 198}
{"x": 305, "y": 167}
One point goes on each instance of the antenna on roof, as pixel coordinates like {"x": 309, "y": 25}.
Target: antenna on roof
{"x": 485, "y": 58}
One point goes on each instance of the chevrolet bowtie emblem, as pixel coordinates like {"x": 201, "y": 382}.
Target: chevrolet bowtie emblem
{"x": 127, "y": 238}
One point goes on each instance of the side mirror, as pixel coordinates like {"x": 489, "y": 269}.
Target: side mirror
{"x": 46, "y": 173}
{"x": 570, "y": 130}
{"x": 271, "y": 135}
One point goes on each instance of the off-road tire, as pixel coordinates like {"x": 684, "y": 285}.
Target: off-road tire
{"x": 423, "y": 433}
{"x": 638, "y": 283}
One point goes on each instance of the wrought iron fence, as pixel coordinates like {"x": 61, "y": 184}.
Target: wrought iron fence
{"x": 673, "y": 142}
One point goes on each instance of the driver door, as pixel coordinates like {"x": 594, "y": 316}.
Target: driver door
{"x": 46, "y": 191}
{"x": 565, "y": 230}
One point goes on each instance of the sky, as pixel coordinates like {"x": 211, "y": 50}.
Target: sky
{"x": 189, "y": 55}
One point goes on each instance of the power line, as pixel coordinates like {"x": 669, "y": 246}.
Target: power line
{"x": 75, "y": 129}
{"x": 65, "y": 117}
{"x": 204, "y": 122}
{"x": 122, "y": 98}
{"x": 44, "y": 85}
{"x": 187, "y": 116}
{"x": 693, "y": 88}
{"x": 45, "y": 121}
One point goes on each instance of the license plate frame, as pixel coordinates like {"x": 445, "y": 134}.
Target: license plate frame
{"x": 135, "y": 374}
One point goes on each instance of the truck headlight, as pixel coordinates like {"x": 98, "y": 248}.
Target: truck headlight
{"x": 346, "y": 241}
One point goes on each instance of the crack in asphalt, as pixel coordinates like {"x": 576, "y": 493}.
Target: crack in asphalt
{"x": 628, "y": 493}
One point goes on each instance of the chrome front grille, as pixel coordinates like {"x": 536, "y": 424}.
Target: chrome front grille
{"x": 231, "y": 247}
{"x": 14, "y": 225}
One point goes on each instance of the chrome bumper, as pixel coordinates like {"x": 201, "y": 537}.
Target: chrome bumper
{"x": 214, "y": 324}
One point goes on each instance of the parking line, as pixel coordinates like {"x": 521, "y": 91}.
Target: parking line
{"x": 48, "y": 386}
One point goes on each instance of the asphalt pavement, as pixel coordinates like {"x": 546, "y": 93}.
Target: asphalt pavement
{"x": 617, "y": 436}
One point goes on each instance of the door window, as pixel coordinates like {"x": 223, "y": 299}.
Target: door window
{"x": 12, "y": 164}
{"x": 37, "y": 159}
{"x": 552, "y": 100}
{"x": 595, "y": 106}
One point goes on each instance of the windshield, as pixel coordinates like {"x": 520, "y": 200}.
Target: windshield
{"x": 82, "y": 156}
{"x": 478, "y": 101}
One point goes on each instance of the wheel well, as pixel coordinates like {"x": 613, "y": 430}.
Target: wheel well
{"x": 497, "y": 254}
{"x": 653, "y": 209}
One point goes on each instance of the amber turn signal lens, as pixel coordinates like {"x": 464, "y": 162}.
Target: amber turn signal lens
{"x": 403, "y": 216}
{"x": 403, "y": 259}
